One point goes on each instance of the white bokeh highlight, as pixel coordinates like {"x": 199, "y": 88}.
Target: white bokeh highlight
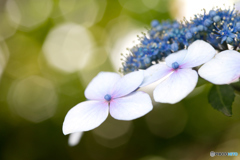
{"x": 8, "y": 27}
{"x": 43, "y": 99}
{"x": 113, "y": 133}
{"x": 68, "y": 47}
{"x": 85, "y": 13}
{"x": 188, "y": 8}
{"x": 123, "y": 33}
{"x": 29, "y": 13}
{"x": 4, "y": 56}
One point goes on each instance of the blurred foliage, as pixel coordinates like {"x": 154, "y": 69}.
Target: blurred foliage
{"x": 221, "y": 98}
{"x": 37, "y": 89}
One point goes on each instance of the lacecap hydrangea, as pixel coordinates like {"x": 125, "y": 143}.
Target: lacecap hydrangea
{"x": 174, "y": 53}
{"x": 219, "y": 27}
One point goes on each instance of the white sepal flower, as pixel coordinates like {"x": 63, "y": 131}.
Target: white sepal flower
{"x": 108, "y": 92}
{"x": 180, "y": 78}
{"x": 224, "y": 68}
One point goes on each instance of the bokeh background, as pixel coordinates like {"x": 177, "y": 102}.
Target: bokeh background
{"x": 49, "y": 52}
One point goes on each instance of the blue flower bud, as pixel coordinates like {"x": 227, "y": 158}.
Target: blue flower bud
{"x": 194, "y": 29}
{"x": 152, "y": 33}
{"x": 238, "y": 26}
{"x": 145, "y": 41}
{"x": 147, "y": 61}
{"x": 188, "y": 35}
{"x": 175, "y": 25}
{"x": 145, "y": 50}
{"x": 174, "y": 47}
{"x": 154, "y": 23}
{"x": 155, "y": 52}
{"x": 207, "y": 22}
{"x": 212, "y": 13}
{"x": 216, "y": 18}
{"x": 159, "y": 28}
{"x": 200, "y": 28}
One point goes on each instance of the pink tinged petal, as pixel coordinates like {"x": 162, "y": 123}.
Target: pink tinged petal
{"x": 131, "y": 107}
{"x": 74, "y": 138}
{"x": 101, "y": 85}
{"x": 199, "y": 52}
{"x": 85, "y": 116}
{"x": 176, "y": 87}
{"x": 127, "y": 84}
{"x": 223, "y": 69}
{"x": 176, "y": 57}
{"x": 154, "y": 73}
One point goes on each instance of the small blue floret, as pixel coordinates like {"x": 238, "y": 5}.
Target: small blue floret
{"x": 107, "y": 97}
{"x": 175, "y": 65}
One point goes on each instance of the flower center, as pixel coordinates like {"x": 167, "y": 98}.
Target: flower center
{"x": 107, "y": 97}
{"x": 175, "y": 65}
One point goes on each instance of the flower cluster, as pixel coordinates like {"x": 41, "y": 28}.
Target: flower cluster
{"x": 200, "y": 47}
{"x": 219, "y": 27}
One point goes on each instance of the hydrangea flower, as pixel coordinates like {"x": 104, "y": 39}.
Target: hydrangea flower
{"x": 108, "y": 92}
{"x": 180, "y": 78}
{"x": 224, "y": 68}
{"x": 219, "y": 27}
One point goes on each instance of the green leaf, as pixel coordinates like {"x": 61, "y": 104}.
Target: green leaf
{"x": 236, "y": 87}
{"x": 221, "y": 98}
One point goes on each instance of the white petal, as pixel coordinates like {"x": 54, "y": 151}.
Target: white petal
{"x": 101, "y": 85}
{"x": 127, "y": 84}
{"x": 176, "y": 57}
{"x": 131, "y": 107}
{"x": 176, "y": 87}
{"x": 85, "y": 116}
{"x": 74, "y": 138}
{"x": 222, "y": 69}
{"x": 199, "y": 52}
{"x": 154, "y": 73}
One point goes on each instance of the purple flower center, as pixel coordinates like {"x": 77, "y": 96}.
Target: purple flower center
{"x": 175, "y": 65}
{"x": 107, "y": 97}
